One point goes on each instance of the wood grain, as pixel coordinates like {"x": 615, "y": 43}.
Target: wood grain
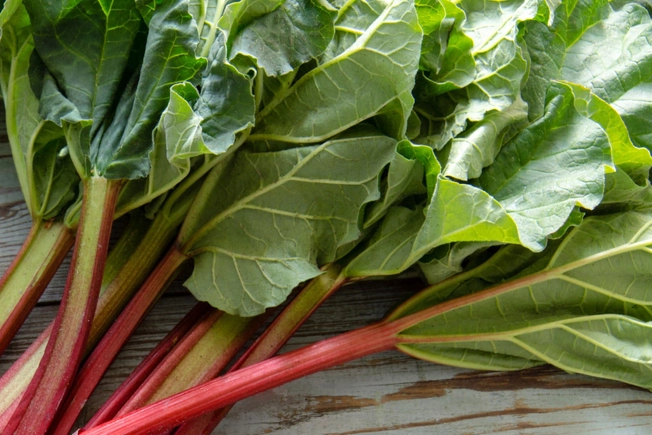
{"x": 388, "y": 393}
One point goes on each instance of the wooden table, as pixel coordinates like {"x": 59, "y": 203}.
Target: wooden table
{"x": 388, "y": 393}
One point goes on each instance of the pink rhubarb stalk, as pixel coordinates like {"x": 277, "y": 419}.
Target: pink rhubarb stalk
{"x": 64, "y": 351}
{"x": 168, "y": 413}
{"x": 109, "y": 346}
{"x": 43, "y": 251}
{"x": 138, "y": 376}
{"x": 311, "y": 297}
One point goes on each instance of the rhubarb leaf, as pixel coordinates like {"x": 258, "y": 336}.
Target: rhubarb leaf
{"x": 586, "y": 311}
{"x": 374, "y": 71}
{"x": 478, "y": 146}
{"x": 47, "y": 177}
{"x": 280, "y": 216}
{"x": 405, "y": 178}
{"x": 252, "y": 28}
{"x": 107, "y": 136}
{"x": 575, "y": 50}
{"x": 525, "y": 196}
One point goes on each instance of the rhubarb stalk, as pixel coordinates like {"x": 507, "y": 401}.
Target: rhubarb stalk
{"x": 311, "y": 297}
{"x": 29, "y": 274}
{"x": 72, "y": 325}
{"x": 251, "y": 380}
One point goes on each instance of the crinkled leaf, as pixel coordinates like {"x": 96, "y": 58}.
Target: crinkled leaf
{"x": 207, "y": 14}
{"x": 194, "y": 124}
{"x": 496, "y": 86}
{"x": 83, "y": 45}
{"x": 446, "y": 49}
{"x": 477, "y": 148}
{"x": 47, "y": 179}
{"x": 526, "y": 195}
{"x": 405, "y": 178}
{"x": 625, "y": 155}
{"x": 489, "y": 23}
{"x": 253, "y": 29}
{"x": 377, "y": 69}
{"x": 280, "y": 215}
{"x": 622, "y": 193}
{"x": 587, "y": 311}
{"x": 169, "y": 59}
{"x": 612, "y": 59}
{"x": 555, "y": 164}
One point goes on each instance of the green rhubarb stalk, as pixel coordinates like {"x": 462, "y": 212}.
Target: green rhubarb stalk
{"x": 147, "y": 366}
{"x": 311, "y": 297}
{"x": 132, "y": 258}
{"x": 29, "y": 274}
{"x": 72, "y": 325}
{"x": 202, "y": 354}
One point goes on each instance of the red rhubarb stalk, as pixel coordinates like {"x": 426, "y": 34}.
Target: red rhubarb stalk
{"x": 72, "y": 325}
{"x": 168, "y": 413}
{"x": 109, "y": 346}
{"x": 311, "y": 297}
{"x": 146, "y": 367}
{"x": 30, "y": 272}
{"x": 127, "y": 266}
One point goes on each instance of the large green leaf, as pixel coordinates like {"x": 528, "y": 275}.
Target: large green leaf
{"x": 372, "y": 73}
{"x": 83, "y": 44}
{"x": 47, "y": 178}
{"x": 608, "y": 52}
{"x": 525, "y": 196}
{"x": 558, "y": 162}
{"x": 169, "y": 58}
{"x": 279, "y": 216}
{"x": 499, "y": 68}
{"x": 253, "y": 29}
{"x": 587, "y": 311}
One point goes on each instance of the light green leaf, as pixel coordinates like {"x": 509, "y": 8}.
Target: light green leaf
{"x": 477, "y": 148}
{"x": 631, "y": 159}
{"x": 252, "y": 28}
{"x": 446, "y": 49}
{"x": 377, "y": 69}
{"x": 280, "y": 215}
{"x": 47, "y": 178}
{"x": 390, "y": 244}
{"x": 447, "y": 260}
{"x": 555, "y": 164}
{"x": 587, "y": 311}
{"x": 405, "y": 177}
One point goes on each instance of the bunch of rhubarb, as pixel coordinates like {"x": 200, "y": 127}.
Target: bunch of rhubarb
{"x": 500, "y": 149}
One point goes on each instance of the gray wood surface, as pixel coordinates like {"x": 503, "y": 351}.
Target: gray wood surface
{"x": 388, "y": 393}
